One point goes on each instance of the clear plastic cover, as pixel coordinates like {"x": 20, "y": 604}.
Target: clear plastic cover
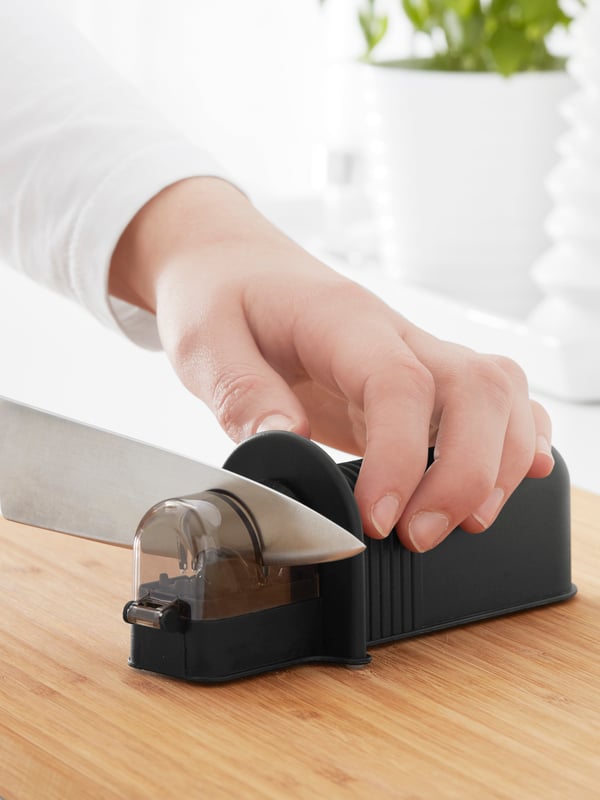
{"x": 205, "y": 550}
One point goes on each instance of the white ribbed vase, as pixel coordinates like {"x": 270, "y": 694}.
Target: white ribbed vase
{"x": 569, "y": 272}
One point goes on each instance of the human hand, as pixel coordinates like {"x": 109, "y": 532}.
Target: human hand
{"x": 270, "y": 338}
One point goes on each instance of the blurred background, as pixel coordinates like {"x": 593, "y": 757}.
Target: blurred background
{"x": 268, "y": 88}
{"x": 243, "y": 80}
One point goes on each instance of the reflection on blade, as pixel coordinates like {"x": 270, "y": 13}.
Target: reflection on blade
{"x": 65, "y": 476}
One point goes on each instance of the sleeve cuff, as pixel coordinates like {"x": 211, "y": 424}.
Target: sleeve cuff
{"x": 106, "y": 214}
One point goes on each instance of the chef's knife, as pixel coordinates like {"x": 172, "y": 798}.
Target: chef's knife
{"x": 62, "y": 475}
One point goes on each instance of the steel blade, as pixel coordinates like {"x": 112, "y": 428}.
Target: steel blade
{"x": 62, "y": 475}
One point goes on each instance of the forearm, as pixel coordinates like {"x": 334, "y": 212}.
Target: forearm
{"x": 80, "y": 153}
{"x": 188, "y": 217}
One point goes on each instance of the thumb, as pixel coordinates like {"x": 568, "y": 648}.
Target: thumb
{"x": 223, "y": 366}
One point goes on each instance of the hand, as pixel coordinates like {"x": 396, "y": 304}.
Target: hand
{"x": 271, "y": 338}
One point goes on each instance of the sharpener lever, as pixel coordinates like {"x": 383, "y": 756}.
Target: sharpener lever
{"x": 152, "y": 612}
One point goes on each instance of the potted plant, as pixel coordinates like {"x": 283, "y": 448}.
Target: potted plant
{"x": 460, "y": 138}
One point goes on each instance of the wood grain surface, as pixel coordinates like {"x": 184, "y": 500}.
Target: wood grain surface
{"x": 508, "y": 708}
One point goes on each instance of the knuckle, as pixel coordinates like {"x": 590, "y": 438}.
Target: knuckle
{"x": 492, "y": 380}
{"x": 417, "y": 377}
{"x": 480, "y": 484}
{"x": 392, "y": 371}
{"x": 349, "y": 294}
{"x": 513, "y": 370}
{"x": 336, "y": 300}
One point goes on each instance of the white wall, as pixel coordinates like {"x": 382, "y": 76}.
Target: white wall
{"x": 247, "y": 79}
{"x": 243, "y": 79}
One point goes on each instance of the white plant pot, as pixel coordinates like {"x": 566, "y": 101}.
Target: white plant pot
{"x": 456, "y": 171}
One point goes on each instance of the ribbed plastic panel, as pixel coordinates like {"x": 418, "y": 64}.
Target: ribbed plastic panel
{"x": 389, "y": 590}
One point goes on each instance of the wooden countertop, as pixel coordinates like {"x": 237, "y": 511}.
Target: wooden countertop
{"x": 503, "y": 709}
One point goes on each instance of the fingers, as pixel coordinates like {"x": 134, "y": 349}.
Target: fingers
{"x": 489, "y": 438}
{"x": 221, "y": 363}
{"x": 515, "y": 453}
{"x": 390, "y": 475}
{"x": 476, "y": 406}
{"x": 543, "y": 462}
{"x": 527, "y": 452}
{"x": 396, "y": 393}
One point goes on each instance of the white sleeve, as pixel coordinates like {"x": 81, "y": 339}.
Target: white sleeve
{"x": 80, "y": 153}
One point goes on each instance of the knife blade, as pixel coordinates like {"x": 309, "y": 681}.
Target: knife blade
{"x": 62, "y": 475}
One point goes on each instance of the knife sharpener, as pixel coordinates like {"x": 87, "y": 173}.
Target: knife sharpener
{"x": 207, "y": 609}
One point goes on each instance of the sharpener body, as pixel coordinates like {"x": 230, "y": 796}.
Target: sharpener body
{"x": 215, "y": 612}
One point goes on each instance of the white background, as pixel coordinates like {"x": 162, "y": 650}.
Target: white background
{"x": 250, "y": 81}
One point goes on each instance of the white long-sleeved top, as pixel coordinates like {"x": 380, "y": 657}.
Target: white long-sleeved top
{"x": 80, "y": 153}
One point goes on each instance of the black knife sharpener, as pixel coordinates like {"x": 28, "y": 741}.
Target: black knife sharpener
{"x": 230, "y": 617}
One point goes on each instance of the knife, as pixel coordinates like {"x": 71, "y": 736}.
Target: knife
{"x": 62, "y": 475}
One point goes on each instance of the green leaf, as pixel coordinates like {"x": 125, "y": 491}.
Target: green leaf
{"x": 418, "y": 12}
{"x": 453, "y": 29}
{"x": 546, "y": 12}
{"x": 537, "y": 31}
{"x": 502, "y": 35}
{"x": 510, "y": 50}
{"x": 374, "y": 28}
{"x": 464, "y": 8}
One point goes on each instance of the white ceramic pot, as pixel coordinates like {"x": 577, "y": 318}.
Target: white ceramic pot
{"x": 457, "y": 164}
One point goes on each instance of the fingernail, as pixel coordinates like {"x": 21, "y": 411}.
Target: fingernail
{"x": 487, "y": 511}
{"x": 543, "y": 446}
{"x": 276, "y": 422}
{"x": 426, "y": 529}
{"x": 384, "y": 514}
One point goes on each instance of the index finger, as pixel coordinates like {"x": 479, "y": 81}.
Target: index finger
{"x": 379, "y": 374}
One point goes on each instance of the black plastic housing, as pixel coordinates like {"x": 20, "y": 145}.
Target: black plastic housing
{"x": 383, "y": 594}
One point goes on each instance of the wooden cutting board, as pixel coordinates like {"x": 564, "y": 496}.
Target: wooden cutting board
{"x": 509, "y": 708}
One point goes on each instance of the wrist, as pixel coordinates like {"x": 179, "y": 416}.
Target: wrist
{"x": 185, "y": 217}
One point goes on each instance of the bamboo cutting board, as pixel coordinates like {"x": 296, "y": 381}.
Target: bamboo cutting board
{"x": 503, "y": 709}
